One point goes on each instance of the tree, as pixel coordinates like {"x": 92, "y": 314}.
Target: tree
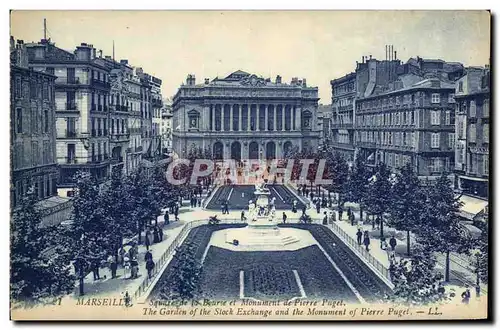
{"x": 440, "y": 230}
{"x": 338, "y": 172}
{"x": 415, "y": 280}
{"x": 187, "y": 271}
{"x": 482, "y": 251}
{"x": 407, "y": 203}
{"x": 358, "y": 184}
{"x": 379, "y": 194}
{"x": 91, "y": 240}
{"x": 39, "y": 270}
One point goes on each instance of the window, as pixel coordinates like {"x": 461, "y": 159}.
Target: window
{"x": 447, "y": 120}
{"x": 435, "y": 120}
{"x": 486, "y": 108}
{"x": 194, "y": 119}
{"x": 33, "y": 89}
{"x": 34, "y": 153}
{"x": 451, "y": 98}
{"x": 451, "y": 140}
{"x": 461, "y": 86}
{"x": 19, "y": 120}
{"x": 436, "y": 165}
{"x": 486, "y": 164}
{"x": 434, "y": 140}
{"x": 472, "y": 133}
{"x": 435, "y": 98}
{"x": 473, "y": 108}
{"x": 46, "y": 121}
{"x": 486, "y": 133}
{"x": 19, "y": 87}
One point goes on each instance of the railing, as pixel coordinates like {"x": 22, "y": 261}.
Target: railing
{"x": 71, "y": 160}
{"x": 362, "y": 251}
{"x": 170, "y": 251}
{"x": 70, "y": 134}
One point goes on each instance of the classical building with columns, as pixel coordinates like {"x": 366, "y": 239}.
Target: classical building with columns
{"x": 244, "y": 116}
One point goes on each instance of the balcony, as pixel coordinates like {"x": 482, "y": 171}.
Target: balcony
{"x": 117, "y": 160}
{"x": 100, "y": 84}
{"x": 99, "y": 107}
{"x": 71, "y": 106}
{"x": 71, "y": 160}
{"x": 70, "y": 134}
{"x": 123, "y": 137}
{"x": 68, "y": 81}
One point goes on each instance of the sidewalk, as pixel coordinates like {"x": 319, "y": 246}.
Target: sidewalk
{"x": 462, "y": 274}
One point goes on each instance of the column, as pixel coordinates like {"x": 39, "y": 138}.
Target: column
{"x": 222, "y": 117}
{"x": 266, "y": 109}
{"x": 275, "y": 114}
{"x": 231, "y": 117}
{"x": 294, "y": 116}
{"x": 248, "y": 115}
{"x": 213, "y": 117}
{"x": 257, "y": 119}
{"x": 283, "y": 110}
{"x": 297, "y": 119}
{"x": 240, "y": 120}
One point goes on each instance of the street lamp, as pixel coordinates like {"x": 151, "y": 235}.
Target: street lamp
{"x": 478, "y": 283}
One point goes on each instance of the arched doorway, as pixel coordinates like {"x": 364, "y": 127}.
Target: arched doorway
{"x": 218, "y": 152}
{"x": 253, "y": 150}
{"x": 236, "y": 150}
{"x": 286, "y": 148}
{"x": 270, "y": 150}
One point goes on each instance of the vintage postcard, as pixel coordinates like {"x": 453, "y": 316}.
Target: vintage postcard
{"x": 249, "y": 165}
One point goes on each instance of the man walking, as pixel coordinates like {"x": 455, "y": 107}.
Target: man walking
{"x": 150, "y": 265}
{"x": 393, "y": 243}
{"x": 284, "y": 217}
{"x": 359, "y": 236}
{"x": 366, "y": 240}
{"x": 148, "y": 256}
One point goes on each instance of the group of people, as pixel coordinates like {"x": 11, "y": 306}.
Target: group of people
{"x": 363, "y": 238}
{"x": 194, "y": 201}
{"x": 153, "y": 234}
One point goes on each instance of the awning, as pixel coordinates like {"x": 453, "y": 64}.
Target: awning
{"x": 471, "y": 207}
{"x": 472, "y": 230}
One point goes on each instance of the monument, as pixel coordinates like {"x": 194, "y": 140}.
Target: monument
{"x": 262, "y": 232}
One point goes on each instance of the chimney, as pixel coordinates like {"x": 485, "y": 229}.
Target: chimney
{"x": 395, "y": 55}
{"x": 278, "y": 79}
{"x": 190, "y": 80}
{"x": 124, "y": 62}
{"x": 108, "y": 57}
{"x": 370, "y": 56}
{"x": 304, "y": 82}
{"x": 207, "y": 81}
{"x": 294, "y": 80}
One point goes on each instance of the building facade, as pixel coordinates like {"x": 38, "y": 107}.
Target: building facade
{"x": 166, "y": 126}
{"x": 243, "y": 116}
{"x": 412, "y": 125}
{"x": 343, "y": 106}
{"x": 82, "y": 92}
{"x": 472, "y": 133}
{"x": 33, "y": 129}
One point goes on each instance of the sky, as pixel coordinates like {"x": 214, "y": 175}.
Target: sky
{"x": 316, "y": 45}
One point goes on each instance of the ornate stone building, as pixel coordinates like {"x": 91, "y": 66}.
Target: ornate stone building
{"x": 243, "y": 116}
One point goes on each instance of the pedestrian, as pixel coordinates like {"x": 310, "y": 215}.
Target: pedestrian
{"x": 150, "y": 265}
{"x": 151, "y": 236}
{"x": 160, "y": 234}
{"x": 148, "y": 255}
{"x": 304, "y": 209}
{"x": 222, "y": 208}
{"x": 147, "y": 242}
{"x": 311, "y": 195}
{"x": 332, "y": 216}
{"x": 393, "y": 243}
{"x": 466, "y": 296}
{"x": 121, "y": 253}
{"x": 318, "y": 206}
{"x": 199, "y": 200}
{"x": 95, "y": 269}
{"x": 112, "y": 265}
{"x": 176, "y": 213}
{"x": 366, "y": 240}
{"x": 126, "y": 266}
{"x": 325, "y": 218}
{"x": 243, "y": 216}
{"x": 135, "y": 268}
{"x": 284, "y": 217}
{"x": 351, "y": 217}
{"x": 359, "y": 236}
{"x": 127, "y": 299}
{"x": 226, "y": 207}
{"x": 383, "y": 243}
{"x": 329, "y": 202}
{"x": 166, "y": 217}
{"x": 156, "y": 239}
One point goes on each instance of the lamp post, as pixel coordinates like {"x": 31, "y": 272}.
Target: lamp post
{"x": 478, "y": 283}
